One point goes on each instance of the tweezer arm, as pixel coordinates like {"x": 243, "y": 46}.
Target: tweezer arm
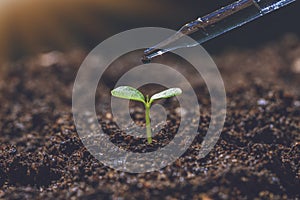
{"x": 217, "y": 23}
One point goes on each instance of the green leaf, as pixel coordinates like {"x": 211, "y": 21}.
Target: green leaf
{"x": 127, "y": 92}
{"x": 166, "y": 94}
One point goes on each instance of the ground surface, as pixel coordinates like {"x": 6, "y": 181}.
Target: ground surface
{"x": 257, "y": 155}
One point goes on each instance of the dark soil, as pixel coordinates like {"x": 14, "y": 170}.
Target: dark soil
{"x": 257, "y": 155}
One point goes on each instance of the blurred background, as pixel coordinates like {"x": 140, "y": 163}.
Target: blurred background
{"x": 30, "y": 27}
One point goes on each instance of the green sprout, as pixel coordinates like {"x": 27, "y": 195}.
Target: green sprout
{"x": 127, "y": 92}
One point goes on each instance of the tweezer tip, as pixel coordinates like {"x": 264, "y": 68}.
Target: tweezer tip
{"x": 145, "y": 59}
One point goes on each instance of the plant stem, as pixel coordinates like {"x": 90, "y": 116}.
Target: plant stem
{"x": 148, "y": 125}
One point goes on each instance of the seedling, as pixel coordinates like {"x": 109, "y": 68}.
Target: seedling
{"x": 127, "y": 92}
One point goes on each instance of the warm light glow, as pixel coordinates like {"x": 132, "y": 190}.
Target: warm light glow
{"x": 28, "y": 27}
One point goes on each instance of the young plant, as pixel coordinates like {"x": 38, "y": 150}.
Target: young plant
{"x": 127, "y": 92}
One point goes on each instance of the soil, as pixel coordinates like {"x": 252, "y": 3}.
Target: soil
{"x": 257, "y": 155}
